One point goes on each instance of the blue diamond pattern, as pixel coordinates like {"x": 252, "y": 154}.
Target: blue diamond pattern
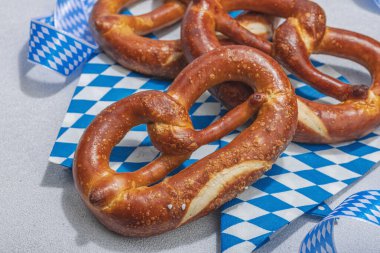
{"x": 364, "y": 206}
{"x": 269, "y": 203}
{"x": 313, "y": 160}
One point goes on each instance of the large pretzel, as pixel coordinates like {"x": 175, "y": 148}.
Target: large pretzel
{"x": 318, "y": 123}
{"x": 128, "y": 203}
{"x": 120, "y": 36}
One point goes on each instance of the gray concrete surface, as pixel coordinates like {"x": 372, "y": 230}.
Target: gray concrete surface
{"x": 39, "y": 208}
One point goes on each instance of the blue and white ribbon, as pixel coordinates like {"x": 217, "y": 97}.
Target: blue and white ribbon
{"x": 363, "y": 205}
{"x": 63, "y": 41}
{"x": 377, "y": 2}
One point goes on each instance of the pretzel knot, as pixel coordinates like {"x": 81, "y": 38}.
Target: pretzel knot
{"x": 128, "y": 203}
{"x": 304, "y": 32}
{"x": 121, "y": 36}
{"x": 297, "y": 38}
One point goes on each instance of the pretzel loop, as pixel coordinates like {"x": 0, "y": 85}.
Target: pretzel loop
{"x": 113, "y": 30}
{"x": 304, "y": 32}
{"x": 297, "y": 38}
{"x": 293, "y": 41}
{"x": 128, "y": 203}
{"x": 351, "y": 119}
{"x": 120, "y": 36}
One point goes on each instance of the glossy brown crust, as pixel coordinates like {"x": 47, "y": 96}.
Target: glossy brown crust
{"x": 352, "y": 118}
{"x": 121, "y": 36}
{"x": 127, "y": 203}
{"x": 294, "y": 41}
{"x": 303, "y": 33}
{"x": 201, "y": 21}
{"x": 297, "y": 38}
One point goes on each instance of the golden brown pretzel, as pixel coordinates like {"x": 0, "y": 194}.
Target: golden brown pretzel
{"x": 317, "y": 123}
{"x": 128, "y": 203}
{"x": 198, "y": 37}
{"x": 293, "y": 41}
{"x": 351, "y": 119}
{"x": 120, "y": 36}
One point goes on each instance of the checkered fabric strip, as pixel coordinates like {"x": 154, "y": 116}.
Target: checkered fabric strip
{"x": 63, "y": 41}
{"x": 88, "y": 4}
{"x": 72, "y": 17}
{"x": 363, "y": 206}
{"x": 320, "y": 239}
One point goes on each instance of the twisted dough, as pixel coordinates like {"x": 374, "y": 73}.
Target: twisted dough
{"x": 353, "y": 118}
{"x": 120, "y": 36}
{"x": 128, "y": 203}
{"x": 293, "y": 41}
{"x": 302, "y": 33}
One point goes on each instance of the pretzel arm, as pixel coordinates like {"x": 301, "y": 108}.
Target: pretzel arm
{"x": 290, "y": 49}
{"x": 119, "y": 36}
{"x": 353, "y": 118}
{"x": 294, "y": 41}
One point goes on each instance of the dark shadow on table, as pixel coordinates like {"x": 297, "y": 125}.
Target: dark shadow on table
{"x": 368, "y": 5}
{"x": 41, "y": 82}
{"x": 90, "y": 230}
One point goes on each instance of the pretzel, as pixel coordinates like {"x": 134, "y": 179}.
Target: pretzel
{"x": 128, "y": 203}
{"x": 259, "y": 24}
{"x": 351, "y": 119}
{"x": 302, "y": 33}
{"x": 120, "y": 36}
{"x": 293, "y": 41}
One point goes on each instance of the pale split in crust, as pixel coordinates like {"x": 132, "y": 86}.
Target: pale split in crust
{"x": 215, "y": 185}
